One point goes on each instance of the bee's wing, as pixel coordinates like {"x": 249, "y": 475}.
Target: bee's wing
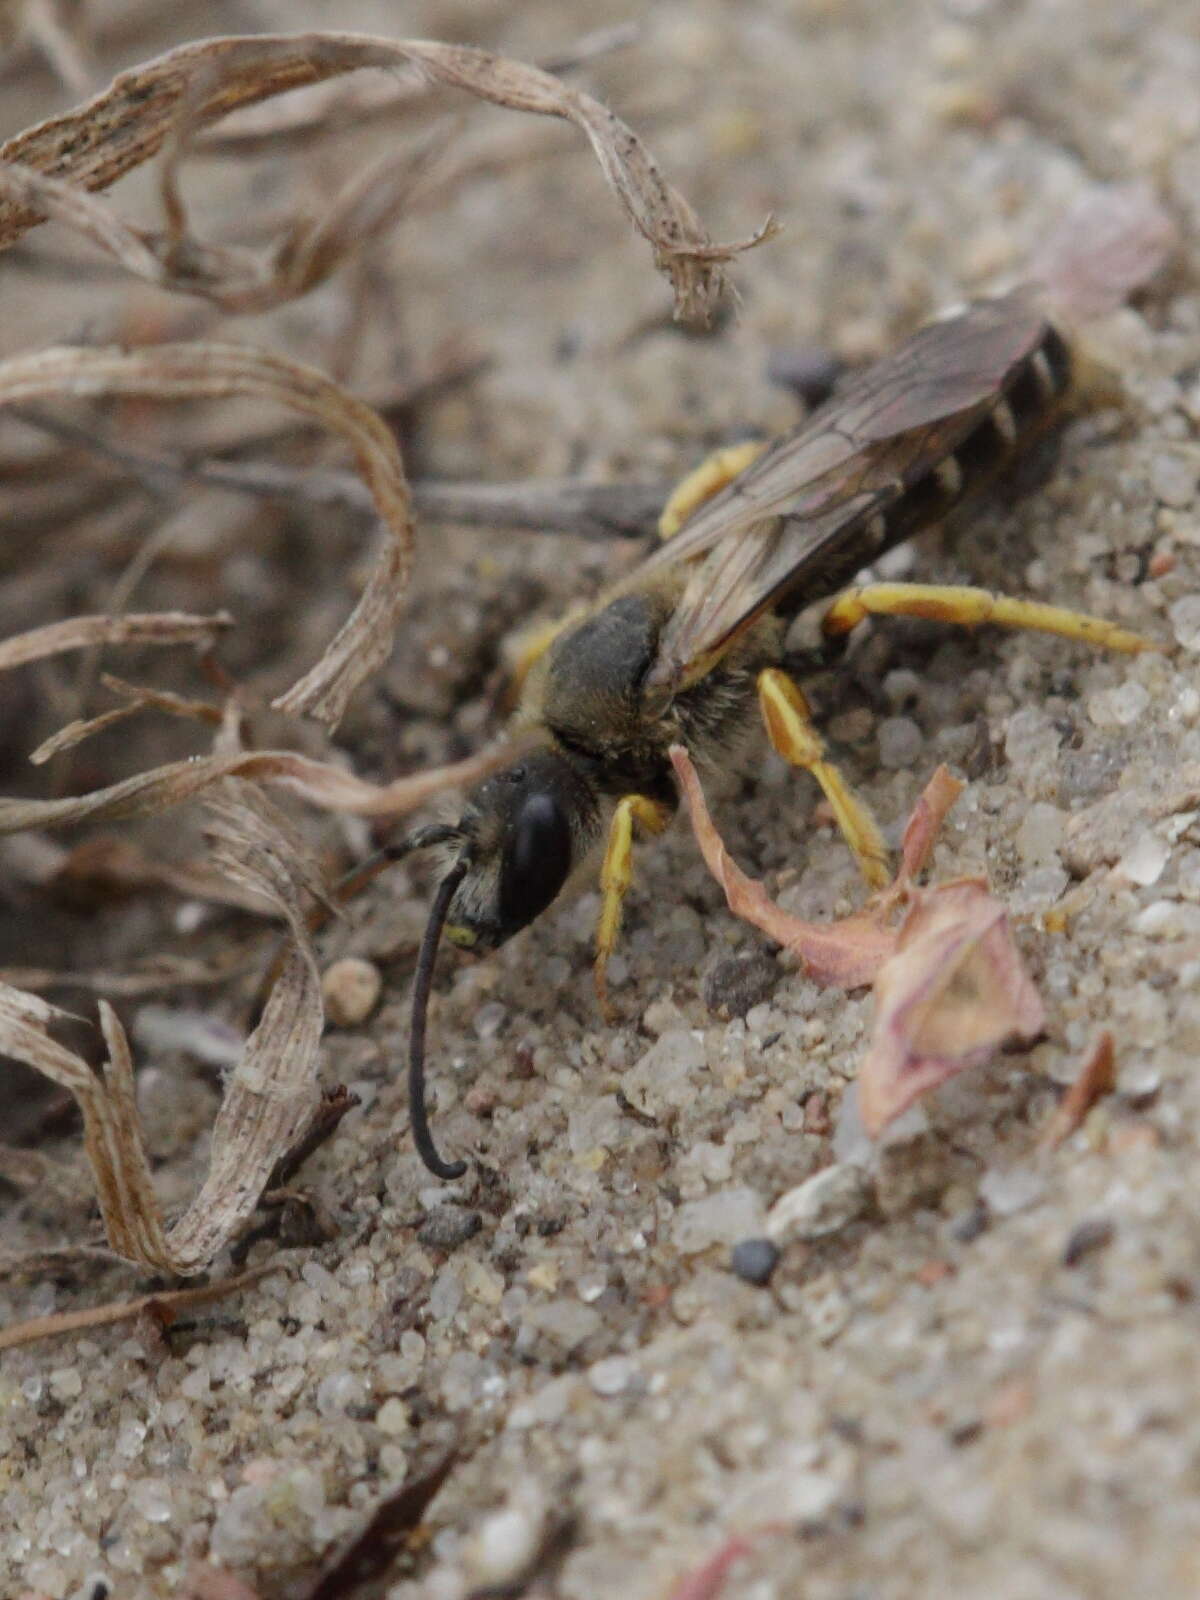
{"x": 799, "y": 510}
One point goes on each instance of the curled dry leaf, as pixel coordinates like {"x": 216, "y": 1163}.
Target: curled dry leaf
{"x": 196, "y": 85}
{"x": 845, "y": 955}
{"x": 212, "y": 370}
{"x": 269, "y": 1097}
{"x": 952, "y": 992}
{"x": 950, "y": 986}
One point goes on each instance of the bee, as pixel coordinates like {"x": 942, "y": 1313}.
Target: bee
{"x": 685, "y": 649}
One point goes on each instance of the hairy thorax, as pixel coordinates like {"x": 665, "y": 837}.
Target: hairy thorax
{"x": 589, "y": 692}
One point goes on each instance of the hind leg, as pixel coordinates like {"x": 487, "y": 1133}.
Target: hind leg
{"x": 969, "y": 607}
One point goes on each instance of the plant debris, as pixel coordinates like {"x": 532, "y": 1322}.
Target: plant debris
{"x": 950, "y": 987}
{"x": 1095, "y": 1078}
{"x": 164, "y": 102}
{"x": 270, "y": 1095}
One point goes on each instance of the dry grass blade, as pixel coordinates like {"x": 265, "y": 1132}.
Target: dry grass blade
{"x": 270, "y": 1095}
{"x": 329, "y": 787}
{"x": 197, "y": 84}
{"x": 58, "y": 30}
{"x": 210, "y": 370}
{"x": 166, "y": 1304}
{"x": 136, "y": 700}
{"x": 1096, "y": 1078}
{"x": 237, "y": 280}
{"x": 336, "y": 107}
{"x": 82, "y": 633}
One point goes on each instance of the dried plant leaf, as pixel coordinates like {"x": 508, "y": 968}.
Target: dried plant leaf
{"x": 950, "y": 986}
{"x": 329, "y": 787}
{"x": 923, "y": 826}
{"x": 213, "y": 370}
{"x": 82, "y": 633}
{"x": 370, "y": 1553}
{"x": 269, "y": 1096}
{"x": 845, "y": 955}
{"x": 197, "y": 84}
{"x": 953, "y": 992}
{"x": 1096, "y": 1078}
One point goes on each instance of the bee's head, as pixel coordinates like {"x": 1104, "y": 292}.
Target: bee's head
{"x": 521, "y": 833}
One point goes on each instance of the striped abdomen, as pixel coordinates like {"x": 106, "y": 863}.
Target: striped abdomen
{"x": 1026, "y": 405}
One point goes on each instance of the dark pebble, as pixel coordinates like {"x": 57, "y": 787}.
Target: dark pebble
{"x": 447, "y": 1227}
{"x": 736, "y": 983}
{"x": 754, "y": 1260}
{"x": 969, "y": 1224}
{"x": 1092, "y": 1234}
{"x": 809, "y": 371}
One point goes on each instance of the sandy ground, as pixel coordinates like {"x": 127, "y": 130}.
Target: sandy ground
{"x": 982, "y": 1381}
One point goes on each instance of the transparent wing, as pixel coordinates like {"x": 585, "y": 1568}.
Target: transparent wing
{"x": 797, "y": 514}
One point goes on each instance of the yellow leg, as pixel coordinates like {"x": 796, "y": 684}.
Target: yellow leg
{"x": 952, "y": 603}
{"x": 713, "y": 473}
{"x": 616, "y": 874}
{"x": 790, "y": 729}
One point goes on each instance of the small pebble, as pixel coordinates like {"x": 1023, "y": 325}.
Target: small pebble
{"x": 900, "y": 743}
{"x": 446, "y": 1227}
{"x": 809, "y": 371}
{"x": 737, "y": 983}
{"x": 820, "y": 1205}
{"x": 503, "y": 1546}
{"x": 1185, "y": 620}
{"x": 612, "y": 1375}
{"x": 1129, "y": 702}
{"x": 1005, "y": 1191}
{"x": 1172, "y": 480}
{"x": 1144, "y": 861}
{"x": 754, "y": 1260}
{"x": 392, "y": 1418}
{"x": 351, "y": 990}
{"x": 721, "y": 1218}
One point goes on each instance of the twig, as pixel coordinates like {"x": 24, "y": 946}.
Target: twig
{"x": 559, "y": 505}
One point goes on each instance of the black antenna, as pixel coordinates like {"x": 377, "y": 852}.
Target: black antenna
{"x": 359, "y": 877}
{"x": 422, "y": 984}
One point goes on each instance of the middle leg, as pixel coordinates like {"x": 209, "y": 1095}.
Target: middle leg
{"x": 791, "y": 731}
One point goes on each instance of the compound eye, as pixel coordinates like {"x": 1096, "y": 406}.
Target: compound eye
{"x": 536, "y": 862}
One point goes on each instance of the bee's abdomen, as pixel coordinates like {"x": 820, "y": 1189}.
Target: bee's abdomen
{"x": 1029, "y": 401}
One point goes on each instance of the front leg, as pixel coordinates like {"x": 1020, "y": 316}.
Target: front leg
{"x": 616, "y": 874}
